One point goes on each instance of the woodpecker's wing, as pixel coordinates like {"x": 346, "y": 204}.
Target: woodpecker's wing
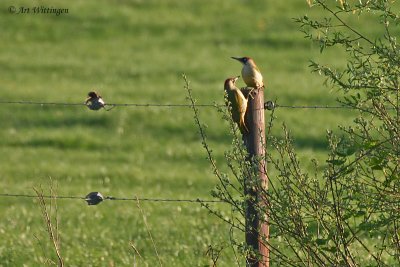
{"x": 242, "y": 107}
{"x": 258, "y": 78}
{"x": 241, "y": 101}
{"x": 235, "y": 104}
{"x": 252, "y": 76}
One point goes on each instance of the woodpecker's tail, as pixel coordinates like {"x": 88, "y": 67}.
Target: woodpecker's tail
{"x": 243, "y": 127}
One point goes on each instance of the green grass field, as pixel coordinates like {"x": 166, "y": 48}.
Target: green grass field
{"x": 135, "y": 52}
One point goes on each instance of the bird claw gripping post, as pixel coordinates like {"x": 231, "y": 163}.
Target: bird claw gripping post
{"x": 248, "y": 92}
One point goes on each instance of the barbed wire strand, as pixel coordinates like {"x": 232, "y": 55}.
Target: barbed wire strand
{"x": 315, "y": 107}
{"x": 116, "y": 198}
{"x": 41, "y": 103}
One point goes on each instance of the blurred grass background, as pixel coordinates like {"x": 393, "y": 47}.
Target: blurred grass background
{"x": 135, "y": 52}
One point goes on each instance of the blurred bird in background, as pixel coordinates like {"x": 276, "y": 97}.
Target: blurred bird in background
{"x": 238, "y": 103}
{"x": 250, "y": 73}
{"x": 94, "y": 101}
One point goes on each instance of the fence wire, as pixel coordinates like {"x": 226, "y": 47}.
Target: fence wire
{"x": 96, "y": 195}
{"x": 41, "y": 103}
{"x": 275, "y": 105}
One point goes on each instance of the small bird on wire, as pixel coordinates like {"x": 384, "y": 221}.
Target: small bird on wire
{"x": 94, "y": 101}
{"x": 250, "y": 73}
{"x": 238, "y": 103}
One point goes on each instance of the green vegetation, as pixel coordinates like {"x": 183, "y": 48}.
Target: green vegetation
{"x": 135, "y": 52}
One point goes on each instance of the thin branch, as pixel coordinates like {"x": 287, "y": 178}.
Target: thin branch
{"x": 148, "y": 231}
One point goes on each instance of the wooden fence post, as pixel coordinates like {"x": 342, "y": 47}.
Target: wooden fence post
{"x": 257, "y": 228}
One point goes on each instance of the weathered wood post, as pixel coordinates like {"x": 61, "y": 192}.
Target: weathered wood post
{"x": 257, "y": 229}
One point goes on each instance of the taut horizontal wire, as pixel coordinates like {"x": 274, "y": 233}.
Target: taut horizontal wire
{"x": 117, "y": 198}
{"x": 107, "y": 104}
{"x": 161, "y": 105}
{"x": 315, "y": 107}
{"x": 35, "y": 196}
{"x": 40, "y": 103}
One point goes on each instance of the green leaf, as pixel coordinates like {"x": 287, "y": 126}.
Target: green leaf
{"x": 330, "y": 249}
{"x": 336, "y": 161}
{"x": 320, "y": 241}
{"x": 370, "y": 144}
{"x": 360, "y": 213}
{"x": 377, "y": 163}
{"x": 346, "y": 151}
{"x": 367, "y": 226}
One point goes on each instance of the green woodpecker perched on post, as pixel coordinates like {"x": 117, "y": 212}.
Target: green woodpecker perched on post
{"x": 250, "y": 73}
{"x": 237, "y": 102}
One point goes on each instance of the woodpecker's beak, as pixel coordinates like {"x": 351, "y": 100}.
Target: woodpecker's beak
{"x": 238, "y": 59}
